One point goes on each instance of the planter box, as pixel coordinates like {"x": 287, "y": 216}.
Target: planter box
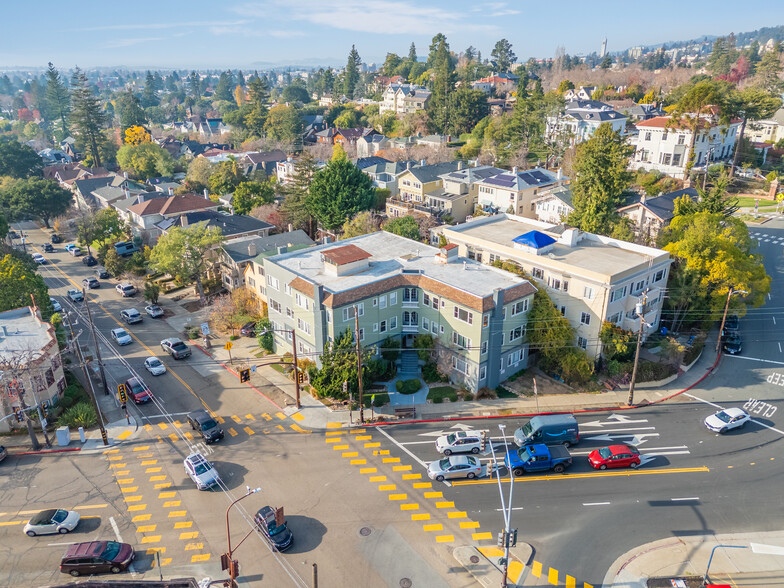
{"x": 656, "y": 384}
{"x": 686, "y": 368}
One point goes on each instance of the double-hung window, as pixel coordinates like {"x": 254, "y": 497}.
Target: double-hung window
{"x": 464, "y": 315}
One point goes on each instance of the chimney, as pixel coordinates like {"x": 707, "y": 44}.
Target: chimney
{"x": 171, "y": 191}
{"x": 422, "y": 162}
{"x": 184, "y": 220}
{"x": 127, "y": 192}
{"x": 291, "y": 227}
{"x": 643, "y": 199}
{"x": 514, "y": 170}
{"x": 560, "y": 174}
{"x": 140, "y": 199}
{"x": 206, "y": 193}
{"x": 465, "y": 265}
{"x": 282, "y": 249}
{"x": 5, "y": 330}
{"x": 460, "y": 165}
{"x": 125, "y": 175}
{"x": 252, "y": 249}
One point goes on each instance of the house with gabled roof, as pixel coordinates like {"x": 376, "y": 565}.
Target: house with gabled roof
{"x": 514, "y": 191}
{"x": 554, "y": 205}
{"x": 148, "y": 211}
{"x": 581, "y": 118}
{"x": 650, "y": 214}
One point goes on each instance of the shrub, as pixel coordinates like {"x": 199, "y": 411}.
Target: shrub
{"x": 431, "y": 374}
{"x": 390, "y": 349}
{"x": 381, "y": 398}
{"x": 485, "y": 392}
{"x": 651, "y": 371}
{"x": 438, "y": 394}
{"x": 424, "y": 346}
{"x": 233, "y": 337}
{"x": 193, "y": 333}
{"x": 614, "y": 367}
{"x": 79, "y": 415}
{"x": 408, "y": 386}
{"x": 694, "y": 351}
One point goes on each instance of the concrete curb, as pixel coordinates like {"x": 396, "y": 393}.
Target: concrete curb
{"x": 486, "y": 572}
{"x": 252, "y": 386}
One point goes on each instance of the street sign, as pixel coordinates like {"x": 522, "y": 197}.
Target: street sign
{"x": 228, "y": 346}
{"x": 253, "y": 368}
{"x": 205, "y": 329}
{"x": 279, "y": 517}
{"x": 44, "y": 422}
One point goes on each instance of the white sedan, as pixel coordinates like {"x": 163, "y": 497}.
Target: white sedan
{"x": 727, "y": 419}
{"x": 121, "y": 336}
{"x": 54, "y": 520}
{"x": 56, "y": 306}
{"x": 38, "y": 258}
{"x": 154, "y": 366}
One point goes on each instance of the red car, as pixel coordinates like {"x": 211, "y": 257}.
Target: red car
{"x": 614, "y": 456}
{"x": 137, "y": 391}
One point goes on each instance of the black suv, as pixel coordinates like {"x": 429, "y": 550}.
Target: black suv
{"x": 201, "y": 421}
{"x": 279, "y": 537}
{"x": 55, "y": 238}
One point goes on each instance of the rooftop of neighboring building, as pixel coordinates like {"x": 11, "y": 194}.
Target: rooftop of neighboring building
{"x": 663, "y": 206}
{"x": 590, "y": 253}
{"x": 522, "y": 180}
{"x": 431, "y": 173}
{"x": 469, "y": 174}
{"x": 23, "y": 333}
{"x": 390, "y": 255}
{"x": 171, "y": 204}
{"x": 229, "y": 224}
{"x": 562, "y": 193}
{"x": 291, "y": 240}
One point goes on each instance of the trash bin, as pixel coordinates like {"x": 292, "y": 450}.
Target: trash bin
{"x": 82, "y": 438}
{"x": 63, "y": 435}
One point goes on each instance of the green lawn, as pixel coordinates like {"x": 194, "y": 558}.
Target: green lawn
{"x": 438, "y": 394}
{"x": 278, "y": 368}
{"x": 504, "y": 393}
{"x": 750, "y": 201}
{"x": 381, "y": 398}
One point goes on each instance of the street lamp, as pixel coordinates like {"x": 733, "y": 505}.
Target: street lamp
{"x": 724, "y": 317}
{"x": 710, "y": 559}
{"x": 506, "y": 510}
{"x": 226, "y": 559}
{"x": 294, "y": 353}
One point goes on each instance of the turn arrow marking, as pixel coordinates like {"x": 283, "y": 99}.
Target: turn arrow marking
{"x": 636, "y": 439}
{"x": 612, "y": 420}
{"x": 647, "y": 458}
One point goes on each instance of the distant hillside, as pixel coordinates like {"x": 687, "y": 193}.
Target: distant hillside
{"x": 761, "y": 35}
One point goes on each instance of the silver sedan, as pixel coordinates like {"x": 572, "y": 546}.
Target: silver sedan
{"x": 51, "y": 521}
{"x": 454, "y": 466}
{"x": 154, "y": 366}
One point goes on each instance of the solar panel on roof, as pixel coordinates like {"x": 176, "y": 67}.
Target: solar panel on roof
{"x": 528, "y": 178}
{"x": 500, "y": 181}
{"x": 540, "y": 176}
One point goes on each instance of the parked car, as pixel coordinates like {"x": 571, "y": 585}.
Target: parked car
{"x": 126, "y": 289}
{"x": 131, "y": 316}
{"x": 51, "y": 521}
{"x": 459, "y": 442}
{"x": 201, "y": 471}
{"x": 248, "y": 329}
{"x": 91, "y": 283}
{"x": 279, "y": 537}
{"x": 96, "y": 557}
{"x": 102, "y": 274}
{"x": 125, "y": 248}
{"x": 56, "y": 306}
{"x": 13, "y": 234}
{"x": 137, "y": 391}
{"x": 154, "y": 310}
{"x": 55, "y": 238}
{"x": 121, "y": 336}
{"x": 39, "y": 259}
{"x": 732, "y": 324}
{"x": 201, "y": 421}
{"x": 727, "y": 419}
{"x": 75, "y": 251}
{"x": 48, "y": 248}
{"x": 69, "y": 246}
{"x": 3, "y": 453}
{"x": 455, "y": 466}
{"x": 89, "y": 261}
{"x": 614, "y": 456}
{"x": 176, "y": 348}
{"x": 733, "y": 344}
{"x": 154, "y": 366}
{"x": 75, "y": 295}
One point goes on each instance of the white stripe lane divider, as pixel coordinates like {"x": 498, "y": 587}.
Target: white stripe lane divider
{"x": 116, "y": 530}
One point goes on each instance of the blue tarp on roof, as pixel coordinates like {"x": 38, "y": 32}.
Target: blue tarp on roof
{"x": 534, "y": 239}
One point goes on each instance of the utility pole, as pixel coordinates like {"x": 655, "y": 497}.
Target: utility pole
{"x": 724, "y": 316}
{"x": 30, "y": 429}
{"x": 296, "y": 366}
{"x": 95, "y": 342}
{"x": 640, "y": 309}
{"x": 359, "y": 365}
{"x": 41, "y": 418}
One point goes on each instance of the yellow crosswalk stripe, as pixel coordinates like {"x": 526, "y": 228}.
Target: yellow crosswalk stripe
{"x": 135, "y": 507}
{"x": 398, "y": 496}
{"x": 363, "y": 437}
{"x": 114, "y": 458}
{"x": 444, "y": 504}
{"x": 358, "y": 461}
{"x": 250, "y": 417}
{"x": 340, "y": 447}
{"x": 220, "y": 420}
{"x": 434, "y": 494}
{"x": 129, "y": 489}
{"x": 117, "y": 465}
{"x": 536, "y": 569}
{"x": 401, "y": 468}
{"x": 141, "y": 448}
{"x": 167, "y": 494}
{"x": 153, "y": 470}
{"x": 183, "y": 525}
{"x": 173, "y": 437}
{"x": 368, "y": 470}
{"x": 570, "y": 582}
{"x": 378, "y": 478}
{"x": 189, "y": 535}
{"x": 146, "y": 529}
{"x": 412, "y": 476}
{"x": 433, "y": 527}
{"x": 298, "y": 429}
{"x": 141, "y": 518}
{"x": 110, "y": 451}
{"x": 176, "y": 513}
{"x": 423, "y": 485}
{"x": 189, "y": 437}
{"x": 334, "y": 425}
{"x": 199, "y": 558}
{"x": 232, "y": 432}
{"x": 236, "y": 419}
{"x": 121, "y": 472}
{"x": 298, "y": 417}
{"x": 349, "y": 454}
{"x": 132, "y": 498}
{"x": 249, "y": 431}
{"x": 376, "y": 444}
{"x": 151, "y": 539}
{"x": 162, "y": 485}
{"x": 157, "y": 478}
{"x": 391, "y": 460}
{"x": 386, "y": 487}
{"x": 481, "y": 536}
{"x": 172, "y": 503}
{"x": 421, "y": 516}
{"x": 125, "y": 481}
{"x": 409, "y": 506}
{"x": 380, "y": 451}
{"x": 163, "y": 426}
{"x": 552, "y": 577}
{"x": 165, "y": 561}
{"x": 458, "y": 514}
{"x": 281, "y": 416}
{"x": 149, "y": 462}
{"x": 177, "y": 424}
{"x": 194, "y": 546}
{"x": 514, "y": 570}
{"x": 445, "y": 539}
{"x": 332, "y": 439}
{"x": 469, "y": 525}
{"x": 124, "y": 435}
{"x": 267, "y": 417}
{"x": 153, "y": 550}
{"x": 9, "y": 523}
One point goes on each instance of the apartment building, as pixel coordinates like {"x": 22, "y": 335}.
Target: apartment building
{"x": 581, "y": 118}
{"x": 400, "y": 288}
{"x": 590, "y": 278}
{"x": 31, "y": 370}
{"x": 404, "y": 99}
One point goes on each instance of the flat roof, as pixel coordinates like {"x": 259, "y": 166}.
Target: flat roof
{"x": 391, "y": 255}
{"x": 593, "y": 253}
{"x": 21, "y": 332}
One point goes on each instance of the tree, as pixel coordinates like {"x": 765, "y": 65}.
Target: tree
{"x": 130, "y": 110}
{"x": 284, "y": 124}
{"x": 57, "y": 97}
{"x": 136, "y": 135}
{"x": 265, "y": 335}
{"x": 18, "y": 160}
{"x": 391, "y": 63}
{"x": 87, "y": 117}
{"x": 183, "y": 252}
{"x": 351, "y": 75}
{"x": 339, "y": 191}
{"x": 338, "y": 365}
{"x": 503, "y": 55}
{"x": 768, "y": 72}
{"x": 565, "y": 86}
{"x": 443, "y": 84}
{"x": 723, "y": 55}
{"x": 716, "y": 200}
{"x": 226, "y": 176}
{"x": 35, "y": 198}
{"x": 152, "y": 291}
{"x": 146, "y": 160}
{"x": 466, "y": 108}
{"x": 616, "y": 342}
{"x": 225, "y": 87}
{"x": 198, "y": 174}
{"x": 149, "y": 94}
{"x": 295, "y": 92}
{"x": 113, "y": 262}
{"x": 194, "y": 85}
{"x": 362, "y": 224}
{"x": 18, "y": 280}
{"x": 296, "y": 204}
{"x": 248, "y": 195}
{"x": 750, "y": 104}
{"x": 602, "y": 177}
{"x": 405, "y": 226}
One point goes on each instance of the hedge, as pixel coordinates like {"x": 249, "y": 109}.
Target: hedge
{"x": 408, "y": 386}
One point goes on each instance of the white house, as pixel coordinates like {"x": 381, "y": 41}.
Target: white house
{"x": 770, "y": 130}
{"x": 404, "y": 99}
{"x": 581, "y": 93}
{"x": 580, "y": 120}
{"x": 554, "y": 206}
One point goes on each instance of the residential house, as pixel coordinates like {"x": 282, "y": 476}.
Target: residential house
{"x": 285, "y": 170}
{"x": 590, "y": 278}
{"x": 554, "y": 205}
{"x": 264, "y": 161}
{"x": 212, "y": 128}
{"x": 369, "y": 145}
{"x": 54, "y": 156}
{"x": 580, "y": 120}
{"x": 334, "y": 135}
{"x": 581, "y": 93}
{"x": 414, "y": 184}
{"x": 394, "y": 287}
{"x": 638, "y": 112}
{"x": 766, "y": 131}
{"x": 514, "y": 191}
{"x": 312, "y": 124}
{"x": 404, "y": 99}
{"x": 662, "y": 144}
{"x": 147, "y": 212}
{"x": 651, "y": 214}
{"x": 495, "y": 85}
{"x": 456, "y": 199}
{"x": 232, "y": 226}
{"x": 31, "y": 368}
{"x": 384, "y": 173}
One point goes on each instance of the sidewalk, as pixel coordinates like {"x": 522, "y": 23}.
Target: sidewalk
{"x": 758, "y": 560}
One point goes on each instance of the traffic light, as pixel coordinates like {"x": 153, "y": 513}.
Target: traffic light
{"x": 501, "y": 536}
{"x": 225, "y": 561}
{"x": 123, "y": 393}
{"x": 513, "y": 538}
{"x": 234, "y": 568}
{"x": 483, "y": 442}
{"x": 245, "y": 375}
{"x": 18, "y": 414}
{"x": 300, "y": 377}
{"x": 44, "y": 406}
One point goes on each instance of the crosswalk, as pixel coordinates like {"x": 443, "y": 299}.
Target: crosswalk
{"x": 767, "y": 237}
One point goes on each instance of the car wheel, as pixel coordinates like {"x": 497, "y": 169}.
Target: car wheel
{"x": 603, "y": 466}
{"x": 471, "y": 475}
{"x": 567, "y": 444}
{"x": 30, "y": 533}
{"x": 475, "y": 450}
{"x": 439, "y": 478}
{"x": 62, "y": 530}
{"x": 447, "y": 452}
{"x": 74, "y": 573}
{"x": 115, "y": 569}
{"x": 722, "y": 430}
{"x": 518, "y": 472}
{"x": 635, "y": 464}
{"x": 558, "y": 468}
{"x": 743, "y": 424}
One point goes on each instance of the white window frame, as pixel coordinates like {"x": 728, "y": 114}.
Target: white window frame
{"x": 393, "y": 323}
{"x": 393, "y": 298}
{"x": 484, "y": 347}
{"x": 520, "y": 307}
{"x": 588, "y": 292}
{"x": 585, "y": 318}
{"x": 469, "y": 316}
{"x": 382, "y": 303}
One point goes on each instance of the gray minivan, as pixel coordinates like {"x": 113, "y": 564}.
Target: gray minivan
{"x": 550, "y": 429}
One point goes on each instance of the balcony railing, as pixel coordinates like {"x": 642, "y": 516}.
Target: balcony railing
{"x": 436, "y": 212}
{"x": 410, "y": 328}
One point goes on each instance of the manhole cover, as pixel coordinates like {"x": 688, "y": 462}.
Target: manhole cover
{"x": 474, "y": 559}
{"x": 365, "y": 531}
{"x": 405, "y": 583}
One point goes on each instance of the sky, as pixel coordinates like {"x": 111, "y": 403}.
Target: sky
{"x": 202, "y": 34}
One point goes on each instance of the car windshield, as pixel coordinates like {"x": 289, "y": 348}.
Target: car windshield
{"x": 60, "y": 515}
{"x": 443, "y": 464}
{"x": 526, "y": 429}
{"x": 202, "y": 468}
{"x": 723, "y": 416}
{"x": 450, "y": 439}
{"x": 275, "y": 529}
{"x": 121, "y": 333}
{"x": 111, "y": 550}
{"x": 605, "y": 453}
{"x": 210, "y": 424}
{"x": 154, "y": 363}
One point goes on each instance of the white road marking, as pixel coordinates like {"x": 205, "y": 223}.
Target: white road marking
{"x": 595, "y": 503}
{"x": 779, "y": 346}
{"x": 119, "y": 540}
{"x": 163, "y": 416}
{"x": 689, "y": 498}
{"x": 60, "y": 544}
{"x": 611, "y": 431}
{"x": 755, "y": 359}
{"x": 774, "y": 319}
{"x": 411, "y": 455}
{"x": 513, "y": 508}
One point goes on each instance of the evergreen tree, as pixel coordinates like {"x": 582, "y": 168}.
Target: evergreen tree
{"x": 194, "y": 85}
{"x": 130, "y": 110}
{"x": 723, "y": 56}
{"x": 437, "y": 41}
{"x": 87, "y": 116}
{"x": 225, "y": 88}
{"x": 339, "y": 191}
{"x": 149, "y": 95}
{"x": 503, "y": 55}
{"x": 240, "y": 79}
{"x": 412, "y": 54}
{"x": 443, "y": 85}
{"x": 58, "y": 97}
{"x": 351, "y": 75}
{"x": 296, "y": 206}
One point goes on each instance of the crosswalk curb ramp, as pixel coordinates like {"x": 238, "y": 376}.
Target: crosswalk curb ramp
{"x": 482, "y": 563}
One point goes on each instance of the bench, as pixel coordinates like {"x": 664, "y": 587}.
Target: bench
{"x": 405, "y": 412}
